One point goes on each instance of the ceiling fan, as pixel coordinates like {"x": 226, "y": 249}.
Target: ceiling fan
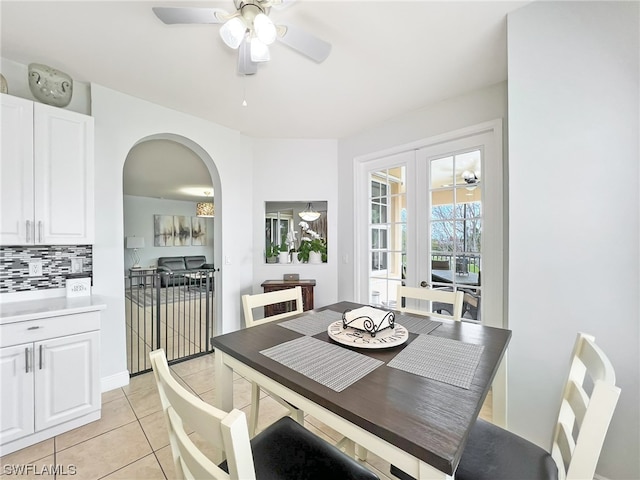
{"x": 250, "y": 31}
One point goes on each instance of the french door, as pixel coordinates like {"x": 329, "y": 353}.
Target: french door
{"x": 434, "y": 219}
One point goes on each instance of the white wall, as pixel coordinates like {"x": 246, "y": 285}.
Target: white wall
{"x": 453, "y": 114}
{"x": 122, "y": 121}
{"x": 574, "y": 182}
{"x": 296, "y": 170}
{"x": 138, "y": 222}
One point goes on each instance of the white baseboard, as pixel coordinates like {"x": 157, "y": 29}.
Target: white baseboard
{"x": 112, "y": 382}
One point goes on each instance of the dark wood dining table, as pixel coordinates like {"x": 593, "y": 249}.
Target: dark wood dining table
{"x": 416, "y": 423}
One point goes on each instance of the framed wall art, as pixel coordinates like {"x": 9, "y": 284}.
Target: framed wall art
{"x": 163, "y": 230}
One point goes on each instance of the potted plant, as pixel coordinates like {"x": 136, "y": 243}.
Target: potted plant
{"x": 272, "y": 253}
{"x": 313, "y": 248}
{"x": 283, "y": 253}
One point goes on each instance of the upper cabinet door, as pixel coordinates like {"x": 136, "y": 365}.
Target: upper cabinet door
{"x": 16, "y": 171}
{"x": 63, "y": 181}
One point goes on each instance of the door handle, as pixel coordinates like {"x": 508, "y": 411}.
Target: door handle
{"x": 39, "y": 231}
{"x": 424, "y": 284}
{"x": 28, "y": 231}
{"x": 26, "y": 359}
{"x": 41, "y": 355}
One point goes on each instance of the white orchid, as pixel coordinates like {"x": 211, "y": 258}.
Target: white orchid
{"x": 311, "y": 241}
{"x": 291, "y": 237}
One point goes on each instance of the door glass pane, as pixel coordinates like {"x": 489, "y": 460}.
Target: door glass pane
{"x": 387, "y": 225}
{"x": 441, "y": 173}
{"x": 456, "y": 226}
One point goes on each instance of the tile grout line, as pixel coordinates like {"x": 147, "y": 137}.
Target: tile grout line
{"x": 89, "y": 438}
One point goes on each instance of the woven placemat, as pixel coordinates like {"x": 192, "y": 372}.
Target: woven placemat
{"x": 330, "y": 365}
{"x": 416, "y": 324}
{"x": 312, "y": 323}
{"x": 442, "y": 359}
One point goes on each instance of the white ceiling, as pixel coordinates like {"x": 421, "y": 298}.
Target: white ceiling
{"x": 388, "y": 57}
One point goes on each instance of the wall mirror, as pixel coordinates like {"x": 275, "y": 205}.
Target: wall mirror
{"x": 296, "y": 232}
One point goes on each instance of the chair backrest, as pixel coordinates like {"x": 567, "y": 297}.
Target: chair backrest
{"x": 453, "y": 298}
{"x": 584, "y": 419}
{"x": 249, "y": 302}
{"x": 226, "y": 432}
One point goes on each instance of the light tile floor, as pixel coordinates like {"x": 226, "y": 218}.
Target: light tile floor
{"x": 130, "y": 441}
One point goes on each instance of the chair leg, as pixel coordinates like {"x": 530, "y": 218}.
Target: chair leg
{"x": 348, "y": 445}
{"x": 255, "y": 409}
{"x": 361, "y": 453}
{"x": 298, "y": 416}
{"x": 350, "y": 448}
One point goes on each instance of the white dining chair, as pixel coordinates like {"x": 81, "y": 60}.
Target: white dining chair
{"x": 285, "y": 450}
{"x": 452, "y": 298}
{"x": 493, "y": 453}
{"x": 289, "y": 296}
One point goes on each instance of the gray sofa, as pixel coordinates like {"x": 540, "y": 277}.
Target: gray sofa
{"x": 172, "y": 269}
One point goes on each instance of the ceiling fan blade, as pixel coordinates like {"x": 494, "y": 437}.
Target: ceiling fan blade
{"x": 245, "y": 65}
{"x": 303, "y": 42}
{"x": 172, "y": 15}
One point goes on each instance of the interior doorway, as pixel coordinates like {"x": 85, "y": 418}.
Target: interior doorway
{"x": 169, "y": 239}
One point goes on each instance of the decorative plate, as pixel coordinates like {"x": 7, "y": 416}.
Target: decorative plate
{"x": 390, "y": 337}
{"x": 49, "y": 85}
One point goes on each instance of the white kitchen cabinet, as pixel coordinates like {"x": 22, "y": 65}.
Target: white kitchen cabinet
{"x": 66, "y": 379}
{"x": 17, "y": 418}
{"x": 16, "y": 171}
{"x": 50, "y": 377}
{"x": 46, "y": 175}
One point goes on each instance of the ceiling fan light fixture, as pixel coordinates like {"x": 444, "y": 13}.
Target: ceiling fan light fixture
{"x": 470, "y": 177}
{"x": 233, "y": 32}
{"x": 264, "y": 28}
{"x": 309, "y": 214}
{"x": 259, "y": 51}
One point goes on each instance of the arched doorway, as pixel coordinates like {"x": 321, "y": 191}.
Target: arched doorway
{"x": 170, "y": 294}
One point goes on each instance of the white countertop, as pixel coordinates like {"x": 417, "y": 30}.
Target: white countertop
{"x": 21, "y": 311}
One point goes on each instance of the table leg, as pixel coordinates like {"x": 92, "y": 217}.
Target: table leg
{"x": 224, "y": 383}
{"x": 427, "y": 472}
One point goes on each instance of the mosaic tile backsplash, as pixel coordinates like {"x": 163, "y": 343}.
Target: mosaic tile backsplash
{"x": 56, "y": 266}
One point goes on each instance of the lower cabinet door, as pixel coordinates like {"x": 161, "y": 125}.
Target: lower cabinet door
{"x": 67, "y": 382}
{"x": 16, "y": 393}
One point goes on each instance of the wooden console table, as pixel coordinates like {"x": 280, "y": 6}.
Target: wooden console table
{"x": 273, "y": 285}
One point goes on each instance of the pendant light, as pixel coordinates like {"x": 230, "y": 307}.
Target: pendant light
{"x": 309, "y": 214}
{"x": 205, "y": 209}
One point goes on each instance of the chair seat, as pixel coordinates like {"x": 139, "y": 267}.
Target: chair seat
{"x": 493, "y": 453}
{"x": 287, "y": 450}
